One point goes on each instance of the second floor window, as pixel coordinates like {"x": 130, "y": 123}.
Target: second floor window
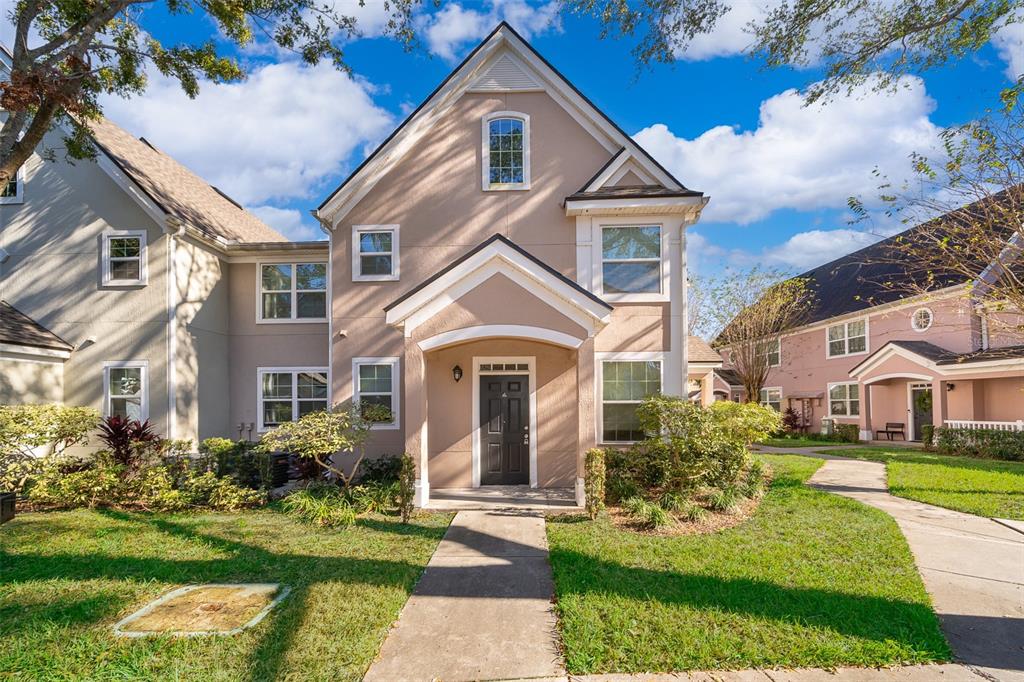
{"x": 506, "y": 162}
{"x": 773, "y": 352}
{"x": 847, "y": 338}
{"x": 124, "y": 258}
{"x": 374, "y": 253}
{"x": 631, "y": 260}
{"x": 11, "y": 192}
{"x": 293, "y": 291}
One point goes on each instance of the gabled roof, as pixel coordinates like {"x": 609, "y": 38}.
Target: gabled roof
{"x": 502, "y": 44}
{"x": 497, "y": 254}
{"x": 18, "y": 329}
{"x": 633, "y": 192}
{"x": 698, "y": 350}
{"x": 942, "y": 360}
{"x": 177, "y": 191}
{"x": 729, "y": 376}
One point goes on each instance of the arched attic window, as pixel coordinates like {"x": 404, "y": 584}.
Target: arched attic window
{"x": 506, "y": 151}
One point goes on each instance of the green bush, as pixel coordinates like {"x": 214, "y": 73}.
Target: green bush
{"x": 691, "y": 512}
{"x": 981, "y": 443}
{"x": 647, "y": 514}
{"x": 847, "y": 433}
{"x": 386, "y": 469}
{"x": 594, "y": 481}
{"x": 928, "y": 436}
{"x": 753, "y": 484}
{"x": 725, "y": 499}
{"x": 406, "y": 487}
{"x": 748, "y": 422}
{"x": 32, "y": 434}
{"x": 322, "y": 504}
{"x": 672, "y": 501}
{"x": 372, "y": 497}
{"x": 237, "y": 459}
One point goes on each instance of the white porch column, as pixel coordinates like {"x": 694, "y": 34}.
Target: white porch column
{"x": 707, "y": 389}
{"x": 587, "y": 427}
{"x": 866, "y": 432}
{"x": 940, "y": 403}
{"x": 415, "y": 418}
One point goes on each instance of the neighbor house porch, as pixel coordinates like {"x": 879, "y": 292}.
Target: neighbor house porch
{"x": 913, "y": 384}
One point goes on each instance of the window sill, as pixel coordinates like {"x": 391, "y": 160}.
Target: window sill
{"x": 385, "y": 427}
{"x": 517, "y": 187}
{"x": 124, "y": 284}
{"x": 301, "y": 320}
{"x": 845, "y": 355}
{"x": 375, "y": 278}
{"x": 635, "y": 298}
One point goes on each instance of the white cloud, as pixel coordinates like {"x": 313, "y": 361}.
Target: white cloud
{"x": 729, "y": 36}
{"x": 277, "y": 135}
{"x": 449, "y": 29}
{"x": 801, "y": 157}
{"x": 1009, "y": 41}
{"x": 806, "y": 250}
{"x": 289, "y": 222}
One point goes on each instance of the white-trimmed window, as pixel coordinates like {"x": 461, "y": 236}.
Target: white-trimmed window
{"x": 293, "y": 292}
{"x": 14, "y": 191}
{"x": 631, "y": 259}
{"x": 374, "y": 253}
{"x": 126, "y": 389}
{"x": 844, "y": 400}
{"x": 124, "y": 258}
{"x": 624, "y": 384}
{"x": 773, "y": 352}
{"x": 506, "y": 151}
{"x": 772, "y": 397}
{"x": 847, "y": 338}
{"x": 375, "y": 382}
{"x": 287, "y": 393}
{"x": 922, "y": 319}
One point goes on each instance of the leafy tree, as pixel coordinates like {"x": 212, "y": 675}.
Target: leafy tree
{"x": 29, "y": 434}
{"x": 967, "y": 211}
{"x": 320, "y": 435}
{"x": 856, "y": 41}
{"x": 67, "y": 53}
{"x": 751, "y": 309}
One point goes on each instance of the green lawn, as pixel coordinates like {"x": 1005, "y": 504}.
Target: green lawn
{"x": 66, "y": 578}
{"x": 977, "y": 486}
{"x": 812, "y": 579}
{"x": 798, "y": 443}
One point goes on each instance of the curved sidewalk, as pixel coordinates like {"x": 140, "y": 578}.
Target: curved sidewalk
{"x": 972, "y": 567}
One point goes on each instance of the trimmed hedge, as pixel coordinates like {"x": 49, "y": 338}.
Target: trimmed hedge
{"x": 981, "y": 443}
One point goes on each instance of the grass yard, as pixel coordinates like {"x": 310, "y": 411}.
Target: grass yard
{"x": 798, "y": 443}
{"x": 985, "y": 487}
{"x": 66, "y": 578}
{"x": 812, "y": 579}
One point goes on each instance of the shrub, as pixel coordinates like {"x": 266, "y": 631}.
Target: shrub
{"x": 372, "y": 497}
{"x": 321, "y": 504}
{"x": 594, "y": 481}
{"x": 127, "y": 439}
{"x": 386, "y": 469}
{"x": 239, "y": 460}
{"x": 928, "y": 436}
{"x": 847, "y": 433}
{"x": 691, "y": 512}
{"x": 749, "y": 422}
{"x": 753, "y": 484}
{"x": 982, "y": 443}
{"x": 725, "y": 499}
{"x": 647, "y": 514}
{"x": 672, "y": 501}
{"x": 31, "y": 434}
{"x": 406, "y": 487}
{"x": 790, "y": 420}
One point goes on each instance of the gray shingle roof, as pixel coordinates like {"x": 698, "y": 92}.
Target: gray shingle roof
{"x": 633, "y": 192}
{"x": 19, "y": 329}
{"x": 698, "y": 350}
{"x": 941, "y": 356}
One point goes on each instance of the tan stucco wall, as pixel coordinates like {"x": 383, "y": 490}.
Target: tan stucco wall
{"x": 1004, "y": 398}
{"x": 637, "y": 327}
{"x": 30, "y": 382}
{"x": 449, "y": 411}
{"x": 53, "y": 275}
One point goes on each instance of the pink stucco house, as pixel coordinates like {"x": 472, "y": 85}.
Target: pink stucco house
{"x": 869, "y": 354}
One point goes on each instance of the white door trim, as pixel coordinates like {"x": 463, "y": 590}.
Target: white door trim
{"x": 531, "y": 362}
{"x": 911, "y": 386}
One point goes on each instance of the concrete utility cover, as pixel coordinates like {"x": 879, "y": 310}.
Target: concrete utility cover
{"x": 197, "y": 610}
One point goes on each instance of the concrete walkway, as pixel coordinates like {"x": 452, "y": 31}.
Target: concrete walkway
{"x": 482, "y": 610}
{"x": 972, "y": 567}
{"x": 910, "y": 673}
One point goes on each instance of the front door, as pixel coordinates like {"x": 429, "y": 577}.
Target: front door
{"x": 505, "y": 429}
{"x": 921, "y": 405}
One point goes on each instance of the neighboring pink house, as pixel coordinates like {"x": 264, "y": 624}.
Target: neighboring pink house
{"x": 869, "y": 355}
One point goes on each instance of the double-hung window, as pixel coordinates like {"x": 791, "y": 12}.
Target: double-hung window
{"x": 506, "y": 151}
{"x": 293, "y": 291}
{"x": 13, "y": 191}
{"x": 285, "y": 394}
{"x": 631, "y": 260}
{"x": 772, "y": 397}
{"x": 848, "y": 338}
{"x": 124, "y": 258}
{"x": 843, "y": 400}
{"x": 773, "y": 352}
{"x": 624, "y": 384}
{"x": 374, "y": 253}
{"x": 375, "y": 382}
{"x": 125, "y": 390}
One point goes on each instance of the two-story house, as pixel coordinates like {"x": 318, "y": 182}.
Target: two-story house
{"x": 505, "y": 272}
{"x": 871, "y": 353}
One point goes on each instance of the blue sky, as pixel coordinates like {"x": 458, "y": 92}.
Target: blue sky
{"x": 778, "y": 173}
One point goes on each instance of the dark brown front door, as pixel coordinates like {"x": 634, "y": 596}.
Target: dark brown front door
{"x": 505, "y": 429}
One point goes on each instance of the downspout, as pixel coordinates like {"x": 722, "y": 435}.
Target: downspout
{"x": 174, "y": 229}
{"x": 328, "y": 229}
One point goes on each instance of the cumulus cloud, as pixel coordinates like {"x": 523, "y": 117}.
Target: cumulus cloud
{"x": 729, "y": 36}
{"x": 1009, "y": 41}
{"x": 801, "y": 157}
{"x": 449, "y": 29}
{"x": 277, "y": 135}
{"x": 290, "y": 222}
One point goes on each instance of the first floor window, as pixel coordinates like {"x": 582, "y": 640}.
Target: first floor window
{"x": 631, "y": 260}
{"x": 624, "y": 384}
{"x": 847, "y": 338}
{"x": 125, "y": 390}
{"x": 287, "y": 394}
{"x": 375, "y": 253}
{"x": 772, "y": 397}
{"x": 844, "y": 400}
{"x": 124, "y": 258}
{"x": 11, "y": 192}
{"x": 375, "y": 382}
{"x": 293, "y": 291}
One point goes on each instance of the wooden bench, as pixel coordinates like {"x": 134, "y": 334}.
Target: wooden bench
{"x": 892, "y": 429}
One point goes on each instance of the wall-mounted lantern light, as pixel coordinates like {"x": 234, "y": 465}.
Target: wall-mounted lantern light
{"x": 950, "y": 386}
{"x": 456, "y": 373}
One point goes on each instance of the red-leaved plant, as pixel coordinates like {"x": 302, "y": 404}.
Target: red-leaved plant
{"x": 122, "y": 436}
